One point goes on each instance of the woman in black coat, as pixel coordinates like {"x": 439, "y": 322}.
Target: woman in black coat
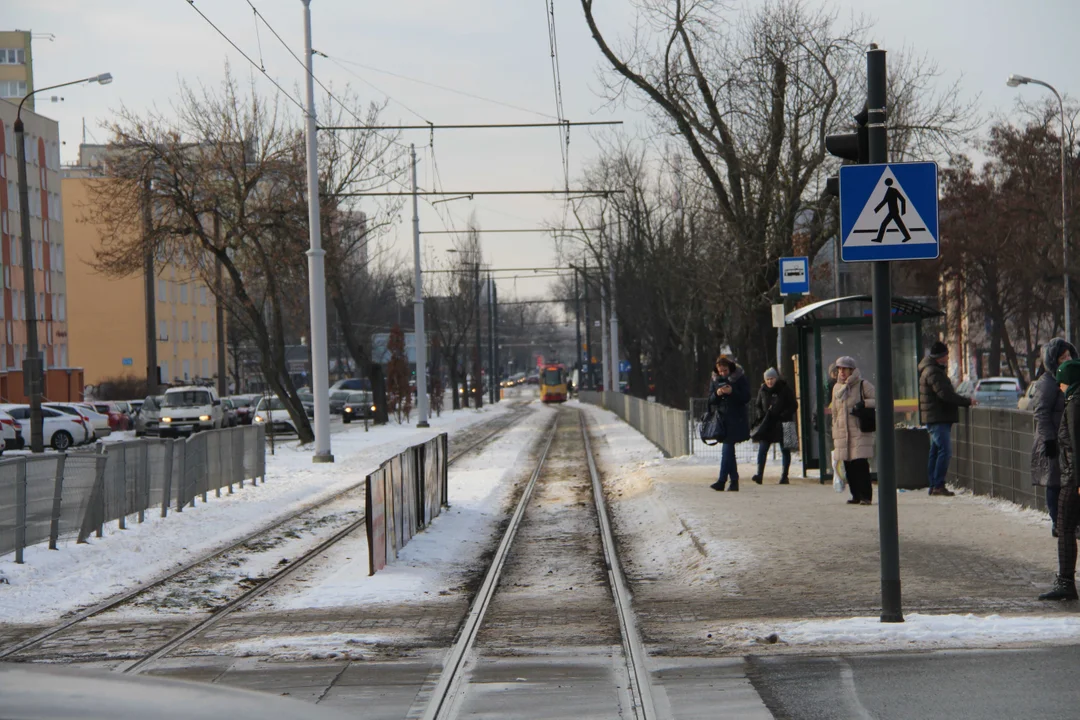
{"x": 776, "y": 405}
{"x": 729, "y": 395}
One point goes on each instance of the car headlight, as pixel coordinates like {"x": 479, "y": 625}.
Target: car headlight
{"x": 204, "y": 418}
{"x": 348, "y": 409}
{"x": 372, "y": 408}
{"x": 259, "y": 419}
{"x": 166, "y": 419}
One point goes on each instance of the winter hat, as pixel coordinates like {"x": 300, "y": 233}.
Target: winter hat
{"x": 846, "y": 362}
{"x": 938, "y": 350}
{"x": 1052, "y": 351}
{"x": 771, "y": 373}
{"x": 1069, "y": 374}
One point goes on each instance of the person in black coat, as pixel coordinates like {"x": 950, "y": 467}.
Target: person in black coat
{"x": 729, "y": 395}
{"x": 776, "y": 405}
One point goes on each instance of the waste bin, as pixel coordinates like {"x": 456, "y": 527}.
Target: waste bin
{"x": 912, "y": 454}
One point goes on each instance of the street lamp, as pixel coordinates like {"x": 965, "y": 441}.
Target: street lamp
{"x": 32, "y": 369}
{"x": 1016, "y": 81}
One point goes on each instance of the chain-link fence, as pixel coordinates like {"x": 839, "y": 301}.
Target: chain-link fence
{"x": 45, "y": 497}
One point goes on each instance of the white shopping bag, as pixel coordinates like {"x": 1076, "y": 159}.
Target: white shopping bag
{"x": 839, "y": 481}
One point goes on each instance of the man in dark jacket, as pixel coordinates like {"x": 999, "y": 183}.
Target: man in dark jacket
{"x": 939, "y": 405}
{"x": 729, "y": 394}
{"x": 1047, "y": 405}
{"x": 776, "y": 405}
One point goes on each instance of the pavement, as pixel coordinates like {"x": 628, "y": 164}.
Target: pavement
{"x": 775, "y": 551}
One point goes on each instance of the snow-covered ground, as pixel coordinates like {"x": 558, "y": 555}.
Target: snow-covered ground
{"x": 52, "y": 583}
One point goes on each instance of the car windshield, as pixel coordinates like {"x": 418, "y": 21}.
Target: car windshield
{"x": 340, "y": 395}
{"x": 187, "y": 398}
{"x": 152, "y": 402}
{"x": 307, "y": 398}
{"x": 271, "y": 403}
{"x": 553, "y": 376}
{"x": 360, "y": 397}
{"x": 994, "y": 386}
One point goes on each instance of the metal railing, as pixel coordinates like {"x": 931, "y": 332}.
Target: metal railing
{"x": 667, "y": 428}
{"x": 46, "y": 497}
{"x": 992, "y": 455}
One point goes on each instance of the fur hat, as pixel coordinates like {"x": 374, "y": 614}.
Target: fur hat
{"x": 846, "y": 362}
{"x": 938, "y": 350}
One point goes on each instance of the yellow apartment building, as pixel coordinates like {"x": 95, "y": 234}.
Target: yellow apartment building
{"x": 16, "y": 66}
{"x": 108, "y": 315}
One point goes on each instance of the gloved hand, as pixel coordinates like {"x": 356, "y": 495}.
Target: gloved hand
{"x": 1052, "y": 449}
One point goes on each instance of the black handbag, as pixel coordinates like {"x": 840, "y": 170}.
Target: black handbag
{"x": 711, "y": 427}
{"x": 867, "y": 417}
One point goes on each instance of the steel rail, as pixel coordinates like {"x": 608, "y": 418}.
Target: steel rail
{"x": 118, "y": 600}
{"x": 640, "y": 686}
{"x": 448, "y": 688}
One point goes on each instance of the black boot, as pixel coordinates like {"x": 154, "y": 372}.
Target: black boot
{"x": 784, "y": 480}
{"x": 1064, "y": 589}
{"x": 718, "y": 485}
{"x": 733, "y": 486}
{"x": 757, "y": 478}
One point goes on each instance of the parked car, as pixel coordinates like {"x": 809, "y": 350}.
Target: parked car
{"x": 272, "y": 412}
{"x": 148, "y": 419}
{"x": 228, "y": 412}
{"x": 118, "y": 419}
{"x": 58, "y": 429}
{"x": 338, "y": 399}
{"x": 1001, "y": 392}
{"x": 11, "y": 432}
{"x": 1024, "y": 403}
{"x": 83, "y": 413}
{"x": 188, "y": 409}
{"x": 351, "y": 384}
{"x": 245, "y": 407}
{"x": 358, "y": 406}
{"x": 136, "y": 406}
{"x": 99, "y": 422}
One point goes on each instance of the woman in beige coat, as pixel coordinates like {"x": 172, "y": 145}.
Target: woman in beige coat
{"x": 852, "y": 446}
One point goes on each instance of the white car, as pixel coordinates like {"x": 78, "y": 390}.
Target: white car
{"x": 11, "y": 432}
{"x": 58, "y": 429}
{"x": 77, "y": 411}
{"x": 188, "y": 409}
{"x": 272, "y": 413}
{"x": 99, "y": 421}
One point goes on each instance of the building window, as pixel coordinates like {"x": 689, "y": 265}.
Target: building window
{"x": 184, "y": 333}
{"x": 206, "y": 332}
{"x": 13, "y": 89}
{"x": 206, "y": 367}
{"x": 202, "y": 295}
{"x": 161, "y": 292}
{"x": 165, "y": 372}
{"x": 187, "y": 369}
{"x": 163, "y": 330}
{"x": 183, "y": 294}
{"x": 12, "y": 56}
{"x": 63, "y": 308}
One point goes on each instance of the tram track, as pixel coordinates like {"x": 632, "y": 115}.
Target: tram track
{"x": 489, "y": 636}
{"x": 487, "y": 432}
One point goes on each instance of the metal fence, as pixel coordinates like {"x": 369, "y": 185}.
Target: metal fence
{"x": 45, "y": 497}
{"x": 403, "y": 496}
{"x": 745, "y": 452}
{"x": 667, "y": 428}
{"x": 992, "y": 455}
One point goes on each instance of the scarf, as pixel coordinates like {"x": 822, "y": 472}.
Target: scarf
{"x": 1069, "y": 374}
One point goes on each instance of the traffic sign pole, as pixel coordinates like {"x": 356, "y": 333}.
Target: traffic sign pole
{"x": 882, "y": 307}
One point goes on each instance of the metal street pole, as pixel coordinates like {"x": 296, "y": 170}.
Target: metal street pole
{"x": 882, "y": 309}
{"x": 577, "y": 329}
{"x": 588, "y": 329}
{"x": 219, "y": 316}
{"x": 493, "y": 376}
{"x": 418, "y": 309}
{"x": 32, "y": 367}
{"x": 153, "y": 379}
{"x": 478, "y": 384}
{"x": 496, "y": 396}
{"x": 320, "y": 368}
{"x": 614, "y": 318}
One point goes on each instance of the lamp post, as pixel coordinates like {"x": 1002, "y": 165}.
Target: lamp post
{"x": 1016, "y": 81}
{"x": 32, "y": 369}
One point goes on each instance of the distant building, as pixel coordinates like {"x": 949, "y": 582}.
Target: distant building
{"x": 47, "y": 240}
{"x": 16, "y": 66}
{"x": 108, "y": 315}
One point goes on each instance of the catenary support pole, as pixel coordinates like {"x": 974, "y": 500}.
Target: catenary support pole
{"x": 320, "y": 368}
{"x": 614, "y": 318}
{"x": 420, "y": 338}
{"x": 478, "y": 383}
{"x": 496, "y": 395}
{"x": 577, "y": 332}
{"x": 588, "y": 329}
{"x": 605, "y": 372}
{"x": 882, "y": 308}
{"x": 149, "y": 281}
{"x": 219, "y": 317}
{"x": 32, "y": 366}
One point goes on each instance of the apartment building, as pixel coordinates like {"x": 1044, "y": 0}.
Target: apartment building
{"x": 47, "y": 241}
{"x": 16, "y": 66}
{"x": 108, "y": 315}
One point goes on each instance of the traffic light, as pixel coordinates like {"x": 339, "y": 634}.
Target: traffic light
{"x": 853, "y": 147}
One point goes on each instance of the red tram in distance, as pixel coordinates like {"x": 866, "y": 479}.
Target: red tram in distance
{"x": 553, "y": 383}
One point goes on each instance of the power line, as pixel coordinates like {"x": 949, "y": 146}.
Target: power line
{"x": 373, "y": 86}
{"x": 513, "y": 230}
{"x": 477, "y": 126}
{"x": 556, "y": 78}
{"x": 247, "y": 57}
{"x": 391, "y": 193}
{"x": 443, "y": 87}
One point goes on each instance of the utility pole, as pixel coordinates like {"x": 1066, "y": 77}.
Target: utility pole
{"x": 418, "y": 310}
{"x": 588, "y": 328}
{"x": 320, "y": 385}
{"x": 493, "y": 375}
{"x": 891, "y": 611}
{"x": 219, "y": 316}
{"x": 152, "y": 379}
{"x": 478, "y": 384}
{"x": 32, "y": 367}
{"x": 614, "y": 320}
{"x": 495, "y": 337}
{"x": 577, "y": 329}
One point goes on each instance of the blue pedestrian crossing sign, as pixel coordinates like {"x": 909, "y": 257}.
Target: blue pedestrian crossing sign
{"x": 889, "y": 212}
{"x": 795, "y": 276}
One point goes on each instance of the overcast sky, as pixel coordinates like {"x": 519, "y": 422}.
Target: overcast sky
{"x": 496, "y": 49}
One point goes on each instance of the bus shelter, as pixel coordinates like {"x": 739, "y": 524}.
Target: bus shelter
{"x": 842, "y": 326}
